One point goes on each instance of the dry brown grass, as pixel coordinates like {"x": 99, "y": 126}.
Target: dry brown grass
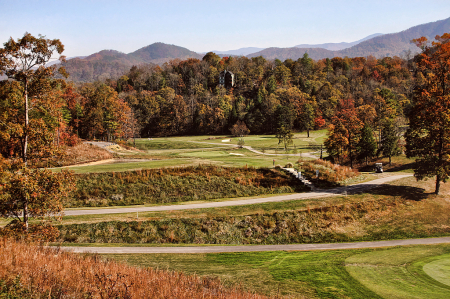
{"x": 51, "y": 273}
{"x": 83, "y": 153}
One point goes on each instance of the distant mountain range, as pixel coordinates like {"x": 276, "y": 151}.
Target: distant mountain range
{"x": 113, "y": 64}
{"x": 395, "y": 44}
{"x": 238, "y": 52}
{"x": 337, "y": 46}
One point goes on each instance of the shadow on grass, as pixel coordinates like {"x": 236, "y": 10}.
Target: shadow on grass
{"x": 405, "y": 192}
{"x": 401, "y": 167}
{"x": 386, "y": 167}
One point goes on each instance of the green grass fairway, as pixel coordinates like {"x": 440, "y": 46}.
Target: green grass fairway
{"x": 309, "y": 274}
{"x": 398, "y": 272}
{"x": 169, "y": 143}
{"x": 366, "y": 273}
{"x": 439, "y": 269}
{"x": 186, "y": 157}
{"x": 267, "y": 142}
{"x": 129, "y": 166}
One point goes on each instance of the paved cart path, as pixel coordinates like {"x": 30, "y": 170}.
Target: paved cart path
{"x": 297, "y": 196}
{"x": 252, "y": 248}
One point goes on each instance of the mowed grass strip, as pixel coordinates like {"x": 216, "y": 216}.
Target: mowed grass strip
{"x": 313, "y": 274}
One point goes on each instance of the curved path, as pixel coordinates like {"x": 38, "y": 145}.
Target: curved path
{"x": 297, "y": 196}
{"x": 252, "y": 248}
{"x": 300, "y": 155}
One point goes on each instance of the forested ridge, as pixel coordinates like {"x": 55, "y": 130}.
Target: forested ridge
{"x": 184, "y": 97}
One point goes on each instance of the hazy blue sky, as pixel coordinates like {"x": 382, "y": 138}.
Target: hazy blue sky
{"x": 86, "y": 27}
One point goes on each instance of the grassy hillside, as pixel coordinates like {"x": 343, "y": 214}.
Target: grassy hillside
{"x": 405, "y": 209}
{"x": 152, "y": 186}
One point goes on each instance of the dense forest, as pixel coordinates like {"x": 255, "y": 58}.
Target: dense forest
{"x": 184, "y": 97}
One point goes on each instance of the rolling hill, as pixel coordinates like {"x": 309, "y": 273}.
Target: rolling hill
{"x": 112, "y": 64}
{"x": 395, "y": 44}
{"x": 338, "y": 46}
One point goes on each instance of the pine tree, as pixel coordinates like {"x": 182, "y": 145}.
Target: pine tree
{"x": 367, "y": 146}
{"x": 389, "y": 140}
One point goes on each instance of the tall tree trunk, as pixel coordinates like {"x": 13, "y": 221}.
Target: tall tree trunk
{"x": 438, "y": 184}
{"x": 25, "y": 215}
{"x": 308, "y": 132}
{"x": 438, "y": 176}
{"x": 25, "y": 143}
{"x": 350, "y": 151}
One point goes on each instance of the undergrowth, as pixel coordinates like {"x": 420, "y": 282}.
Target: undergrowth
{"x": 330, "y": 175}
{"x": 29, "y": 271}
{"x": 178, "y": 184}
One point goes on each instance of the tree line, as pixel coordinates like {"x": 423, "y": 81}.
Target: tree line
{"x": 365, "y": 103}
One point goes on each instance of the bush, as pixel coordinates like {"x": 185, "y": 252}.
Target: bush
{"x": 330, "y": 175}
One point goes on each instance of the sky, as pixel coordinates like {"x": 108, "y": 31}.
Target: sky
{"x": 86, "y": 27}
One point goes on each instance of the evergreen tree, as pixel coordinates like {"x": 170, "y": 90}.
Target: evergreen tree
{"x": 367, "y": 146}
{"x": 307, "y": 116}
{"x": 389, "y": 140}
{"x": 271, "y": 85}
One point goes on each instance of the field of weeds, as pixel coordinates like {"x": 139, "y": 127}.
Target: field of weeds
{"x": 168, "y": 185}
{"x": 29, "y": 271}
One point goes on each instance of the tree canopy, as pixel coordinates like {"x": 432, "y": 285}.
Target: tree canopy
{"x": 428, "y": 136}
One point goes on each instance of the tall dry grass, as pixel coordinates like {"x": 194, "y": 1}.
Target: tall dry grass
{"x": 83, "y": 153}
{"x": 330, "y": 175}
{"x": 29, "y": 271}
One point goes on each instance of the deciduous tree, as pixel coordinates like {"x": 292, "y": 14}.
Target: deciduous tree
{"x": 31, "y": 110}
{"x": 25, "y": 60}
{"x": 428, "y": 136}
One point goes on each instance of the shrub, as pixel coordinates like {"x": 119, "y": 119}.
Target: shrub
{"x": 330, "y": 174}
